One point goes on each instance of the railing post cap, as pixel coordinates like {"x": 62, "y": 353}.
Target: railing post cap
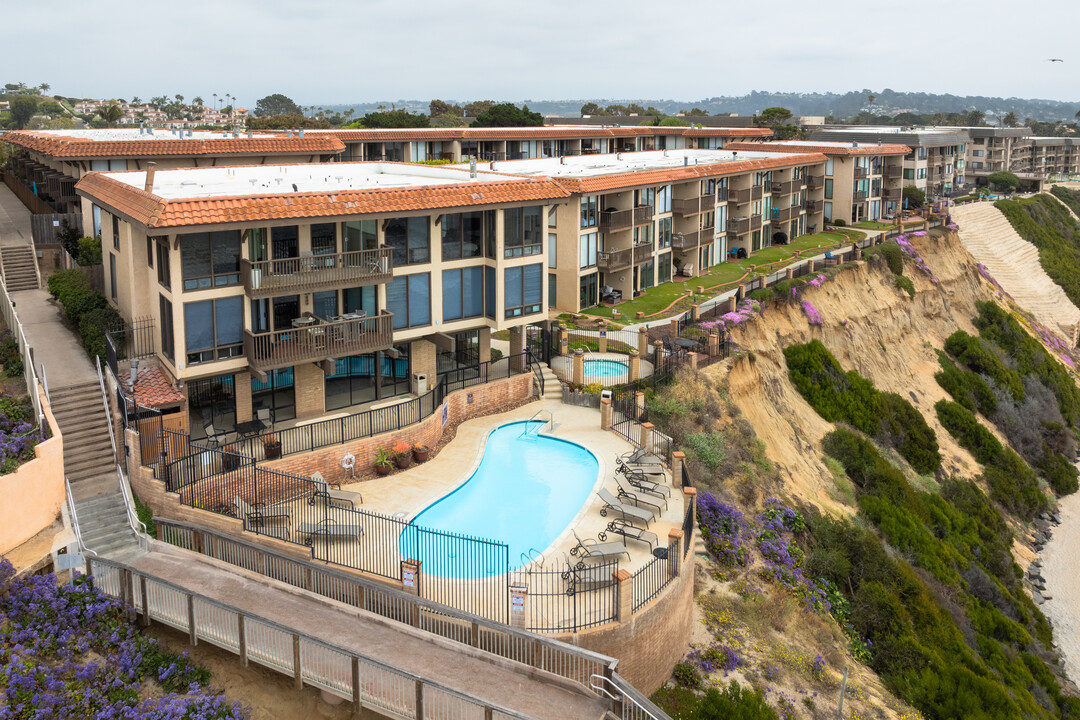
{"x": 648, "y": 425}
{"x": 633, "y": 353}
{"x": 605, "y": 401}
{"x": 675, "y": 534}
{"x": 621, "y": 575}
{"x": 689, "y": 491}
{"x": 678, "y": 454}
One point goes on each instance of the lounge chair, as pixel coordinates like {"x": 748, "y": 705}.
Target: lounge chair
{"x": 576, "y": 575}
{"x": 596, "y": 550}
{"x": 651, "y": 484}
{"x": 323, "y": 490}
{"x": 621, "y": 527}
{"x": 625, "y": 509}
{"x": 627, "y": 494}
{"x": 640, "y": 457}
{"x": 257, "y": 515}
{"x": 652, "y": 472}
{"x": 329, "y": 529}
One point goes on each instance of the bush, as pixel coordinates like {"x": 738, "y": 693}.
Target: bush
{"x": 905, "y": 284}
{"x": 966, "y": 387}
{"x": 734, "y": 703}
{"x": 496, "y": 353}
{"x": 971, "y": 435}
{"x": 894, "y": 257}
{"x": 93, "y": 326}
{"x": 982, "y": 359}
{"x": 85, "y": 308}
{"x": 708, "y": 448}
{"x": 88, "y": 251}
{"x": 687, "y": 675}
{"x": 10, "y": 356}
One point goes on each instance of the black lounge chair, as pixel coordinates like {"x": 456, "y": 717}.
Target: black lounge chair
{"x": 621, "y": 527}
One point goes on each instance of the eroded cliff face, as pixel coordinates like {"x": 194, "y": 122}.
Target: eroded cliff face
{"x": 870, "y": 326}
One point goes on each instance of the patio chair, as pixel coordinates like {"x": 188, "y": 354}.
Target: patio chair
{"x": 629, "y": 495}
{"x": 255, "y": 516}
{"x": 213, "y": 435}
{"x": 329, "y": 529}
{"x": 622, "y": 527}
{"x": 640, "y": 457}
{"x": 595, "y": 550}
{"x": 651, "y": 472}
{"x": 647, "y": 484}
{"x": 323, "y": 490}
{"x": 626, "y": 510}
{"x": 594, "y": 575}
{"x": 266, "y": 417}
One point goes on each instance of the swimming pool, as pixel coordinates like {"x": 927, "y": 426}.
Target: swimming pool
{"x": 605, "y": 368}
{"x": 524, "y": 493}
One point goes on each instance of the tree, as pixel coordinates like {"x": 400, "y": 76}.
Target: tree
{"x": 111, "y": 113}
{"x": 508, "y": 115}
{"x": 285, "y": 122}
{"x": 440, "y": 107}
{"x": 276, "y": 104}
{"x": 394, "y": 119}
{"x": 179, "y": 98}
{"x": 51, "y": 107}
{"x": 1009, "y": 120}
{"x": 44, "y": 87}
{"x": 770, "y": 117}
{"x": 197, "y": 100}
{"x": 1004, "y": 181}
{"x": 22, "y": 108}
{"x": 478, "y": 107}
{"x": 448, "y": 120}
{"x": 913, "y": 197}
{"x": 592, "y": 108}
{"x": 136, "y": 100}
{"x": 871, "y": 98}
{"x": 975, "y": 118}
{"x": 673, "y": 122}
{"x": 696, "y": 112}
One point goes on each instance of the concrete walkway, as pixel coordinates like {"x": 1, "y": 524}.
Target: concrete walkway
{"x": 14, "y": 219}
{"x": 504, "y": 683}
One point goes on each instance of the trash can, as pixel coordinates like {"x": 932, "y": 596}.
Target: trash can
{"x": 419, "y": 383}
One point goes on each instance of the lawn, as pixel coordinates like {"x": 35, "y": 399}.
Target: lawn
{"x": 873, "y": 225}
{"x": 655, "y": 299}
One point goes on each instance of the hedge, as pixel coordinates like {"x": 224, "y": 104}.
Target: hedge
{"x": 85, "y": 308}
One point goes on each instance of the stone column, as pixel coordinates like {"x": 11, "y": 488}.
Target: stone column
{"x": 643, "y": 341}
{"x": 700, "y": 290}
{"x": 740, "y": 293}
{"x": 674, "y": 541}
{"x": 579, "y": 366}
{"x": 695, "y": 312}
{"x": 810, "y": 265}
{"x": 519, "y": 606}
{"x": 639, "y": 404}
{"x": 658, "y": 354}
{"x": 690, "y": 496}
{"x": 603, "y": 337}
{"x": 677, "y": 459}
{"x": 635, "y": 366}
{"x": 646, "y": 431}
{"x": 692, "y": 356}
{"x": 790, "y": 273}
{"x": 858, "y": 251}
{"x": 242, "y": 388}
{"x": 675, "y": 323}
{"x": 607, "y": 413}
{"x": 714, "y": 344}
{"x": 517, "y": 346}
{"x": 422, "y": 356}
{"x": 733, "y": 303}
{"x": 484, "y": 345}
{"x": 626, "y": 595}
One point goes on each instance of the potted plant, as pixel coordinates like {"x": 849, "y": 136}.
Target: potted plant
{"x": 402, "y": 454}
{"x": 384, "y": 461}
{"x": 421, "y": 452}
{"x": 272, "y": 446}
{"x": 230, "y": 459}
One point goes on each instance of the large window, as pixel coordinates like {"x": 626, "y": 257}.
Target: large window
{"x": 112, "y": 276}
{"x": 409, "y": 298}
{"x": 463, "y": 293}
{"x": 210, "y": 260}
{"x": 325, "y": 304}
{"x": 411, "y": 240}
{"x": 828, "y": 189}
{"x": 524, "y": 290}
{"x": 663, "y": 199}
{"x": 665, "y": 233}
{"x": 115, "y": 232}
{"x": 588, "y": 250}
{"x": 463, "y": 234}
{"x": 590, "y": 207}
{"x": 664, "y": 268}
{"x": 213, "y": 329}
{"x": 523, "y": 231}
{"x": 552, "y": 286}
{"x": 323, "y": 238}
{"x": 553, "y": 254}
{"x": 489, "y": 292}
{"x": 163, "y": 268}
{"x": 166, "y": 323}
{"x": 360, "y": 235}
{"x": 645, "y": 197}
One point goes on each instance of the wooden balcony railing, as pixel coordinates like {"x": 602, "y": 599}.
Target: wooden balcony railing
{"x": 746, "y": 194}
{"x": 813, "y": 182}
{"x": 686, "y": 206}
{"x": 317, "y": 272}
{"x": 860, "y": 173}
{"x": 788, "y": 213}
{"x": 858, "y": 196}
{"x": 812, "y": 206}
{"x": 615, "y": 259}
{"x": 785, "y": 188}
{"x": 738, "y": 226}
{"x": 755, "y": 222}
{"x": 691, "y": 240}
{"x": 322, "y": 340}
{"x": 643, "y": 253}
{"x": 622, "y": 219}
{"x": 891, "y": 194}
{"x": 893, "y": 172}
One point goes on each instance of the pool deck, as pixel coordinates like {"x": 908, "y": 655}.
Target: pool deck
{"x": 411, "y": 491}
{"x": 563, "y": 367}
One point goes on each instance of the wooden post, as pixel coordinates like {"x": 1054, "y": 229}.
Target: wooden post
{"x": 474, "y": 635}
{"x": 241, "y": 636}
{"x": 192, "y": 636}
{"x": 298, "y": 677}
{"x": 419, "y": 699}
{"x": 602, "y": 345}
{"x": 356, "y": 696}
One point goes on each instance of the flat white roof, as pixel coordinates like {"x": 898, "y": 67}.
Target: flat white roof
{"x": 253, "y": 180}
{"x": 583, "y": 166}
{"x": 128, "y": 134}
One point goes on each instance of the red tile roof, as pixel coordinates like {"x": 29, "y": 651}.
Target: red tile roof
{"x": 74, "y": 148}
{"x": 524, "y": 133}
{"x": 846, "y": 149}
{"x": 155, "y": 212}
{"x": 154, "y": 389}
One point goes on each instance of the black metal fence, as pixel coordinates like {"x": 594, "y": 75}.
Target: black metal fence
{"x": 569, "y": 598}
{"x": 650, "y": 580}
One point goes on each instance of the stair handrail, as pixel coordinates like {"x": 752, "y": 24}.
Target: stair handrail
{"x": 599, "y": 683}
{"x": 45, "y": 383}
{"x": 75, "y": 520}
{"x": 105, "y": 403}
{"x": 537, "y": 370}
{"x": 550, "y": 421}
{"x": 132, "y": 516}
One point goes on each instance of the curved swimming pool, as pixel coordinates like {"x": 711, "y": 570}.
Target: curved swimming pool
{"x": 605, "y": 368}
{"x": 524, "y": 493}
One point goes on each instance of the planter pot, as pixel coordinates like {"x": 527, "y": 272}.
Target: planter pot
{"x": 272, "y": 451}
{"x": 384, "y": 469}
{"x": 421, "y": 455}
{"x": 230, "y": 461}
{"x": 403, "y": 461}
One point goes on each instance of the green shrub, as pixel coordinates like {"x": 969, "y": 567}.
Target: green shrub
{"x": 968, "y": 431}
{"x": 734, "y": 703}
{"x": 894, "y": 257}
{"x": 980, "y": 357}
{"x": 496, "y": 353}
{"x": 1059, "y": 473}
{"x": 687, "y": 675}
{"x": 89, "y": 251}
{"x": 1067, "y": 196}
{"x": 10, "y": 356}
{"x": 966, "y": 387}
{"x": 93, "y": 326}
{"x": 905, "y": 284}
{"x": 708, "y": 448}
{"x": 1045, "y": 223}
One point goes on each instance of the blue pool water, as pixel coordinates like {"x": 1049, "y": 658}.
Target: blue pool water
{"x": 524, "y": 493}
{"x": 605, "y": 368}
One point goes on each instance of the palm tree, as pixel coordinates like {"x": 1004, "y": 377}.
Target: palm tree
{"x": 44, "y": 88}
{"x": 197, "y": 100}
{"x": 215, "y": 101}
{"x": 179, "y": 98}
{"x": 136, "y": 100}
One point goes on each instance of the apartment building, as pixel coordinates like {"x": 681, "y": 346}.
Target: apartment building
{"x": 634, "y": 220}
{"x": 49, "y": 162}
{"x": 936, "y": 163}
{"x": 523, "y": 143}
{"x": 1054, "y": 158}
{"x": 862, "y": 181}
{"x": 308, "y": 288}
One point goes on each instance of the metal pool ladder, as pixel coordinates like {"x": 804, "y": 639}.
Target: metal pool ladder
{"x": 529, "y": 433}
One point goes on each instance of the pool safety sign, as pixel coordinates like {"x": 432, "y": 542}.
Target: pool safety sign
{"x": 517, "y": 598}
{"x": 445, "y": 412}
{"x": 408, "y": 576}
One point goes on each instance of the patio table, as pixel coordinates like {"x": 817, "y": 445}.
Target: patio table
{"x": 250, "y": 428}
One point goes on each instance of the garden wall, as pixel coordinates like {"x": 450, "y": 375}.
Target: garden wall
{"x": 30, "y": 497}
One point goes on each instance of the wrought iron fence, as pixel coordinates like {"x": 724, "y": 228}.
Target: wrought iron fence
{"x": 569, "y": 598}
{"x": 650, "y": 580}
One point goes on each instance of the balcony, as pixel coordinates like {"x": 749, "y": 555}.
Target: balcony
{"x": 691, "y": 240}
{"x": 813, "y": 206}
{"x": 858, "y": 196}
{"x": 318, "y": 341}
{"x": 692, "y": 206}
{"x": 815, "y": 182}
{"x": 893, "y": 194}
{"x": 786, "y": 188}
{"x": 894, "y": 172}
{"x": 623, "y": 219}
{"x": 788, "y": 213}
{"x": 746, "y": 195}
{"x": 721, "y": 195}
{"x": 643, "y": 253}
{"x": 738, "y": 226}
{"x": 860, "y": 173}
{"x": 313, "y": 273}
{"x": 615, "y": 259}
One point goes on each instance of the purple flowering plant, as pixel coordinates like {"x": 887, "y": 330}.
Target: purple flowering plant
{"x": 17, "y": 434}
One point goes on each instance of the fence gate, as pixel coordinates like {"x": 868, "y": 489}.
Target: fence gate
{"x": 540, "y": 340}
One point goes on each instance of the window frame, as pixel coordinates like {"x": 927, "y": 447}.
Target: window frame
{"x": 227, "y": 279}
{"x": 217, "y": 352}
{"x": 479, "y": 270}
{"x": 526, "y": 308}
{"x": 511, "y": 248}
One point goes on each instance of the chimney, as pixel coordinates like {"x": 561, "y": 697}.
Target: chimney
{"x": 134, "y": 374}
{"x": 562, "y": 159}
{"x": 854, "y": 144}
{"x": 149, "y": 186}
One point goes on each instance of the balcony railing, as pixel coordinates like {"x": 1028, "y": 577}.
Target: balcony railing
{"x": 894, "y": 172}
{"x": 785, "y": 188}
{"x": 892, "y": 194}
{"x": 860, "y": 173}
{"x": 317, "y": 272}
{"x": 643, "y": 253}
{"x": 746, "y": 195}
{"x": 858, "y": 196}
{"x": 812, "y": 206}
{"x": 813, "y": 182}
{"x": 615, "y": 259}
{"x": 691, "y": 240}
{"x": 788, "y": 213}
{"x": 318, "y": 341}
{"x": 622, "y": 219}
{"x": 738, "y": 226}
{"x": 689, "y": 206}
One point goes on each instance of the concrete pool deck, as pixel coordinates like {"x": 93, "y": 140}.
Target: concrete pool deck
{"x": 563, "y": 367}
{"x": 411, "y": 491}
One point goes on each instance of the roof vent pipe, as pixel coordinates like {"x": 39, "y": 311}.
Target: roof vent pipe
{"x": 301, "y": 132}
{"x": 854, "y": 144}
{"x": 562, "y": 159}
{"x": 149, "y": 186}
{"x": 472, "y": 168}
{"x": 189, "y": 132}
{"x": 288, "y": 133}
{"x": 250, "y": 134}
{"x": 685, "y": 161}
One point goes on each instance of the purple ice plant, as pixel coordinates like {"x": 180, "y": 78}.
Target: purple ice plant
{"x": 811, "y": 312}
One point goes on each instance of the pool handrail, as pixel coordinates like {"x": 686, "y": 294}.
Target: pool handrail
{"x": 528, "y": 423}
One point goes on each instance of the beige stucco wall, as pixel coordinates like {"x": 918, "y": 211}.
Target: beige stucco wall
{"x": 30, "y": 497}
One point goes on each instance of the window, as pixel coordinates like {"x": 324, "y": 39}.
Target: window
{"x": 463, "y": 293}
{"x": 115, "y": 232}
{"x": 553, "y": 255}
{"x": 166, "y": 323}
{"x": 827, "y": 209}
{"x": 921, "y": 153}
{"x": 664, "y": 235}
{"x": 213, "y": 329}
{"x": 323, "y": 239}
{"x": 664, "y": 268}
{"x": 410, "y": 238}
{"x": 553, "y": 216}
{"x": 112, "y": 276}
{"x": 589, "y": 210}
{"x": 829, "y": 167}
{"x": 463, "y": 234}
{"x": 909, "y": 173}
{"x": 149, "y": 251}
{"x": 663, "y": 199}
{"x": 646, "y": 275}
{"x": 210, "y": 260}
{"x": 828, "y": 189}
{"x": 922, "y": 174}
{"x": 96, "y": 212}
{"x": 552, "y": 285}
{"x": 409, "y": 298}
{"x": 489, "y": 292}
{"x": 645, "y": 197}
{"x": 643, "y": 235}
{"x": 588, "y": 250}
{"x": 522, "y": 231}
{"x": 524, "y": 290}
{"x": 324, "y": 304}
{"x": 163, "y": 263}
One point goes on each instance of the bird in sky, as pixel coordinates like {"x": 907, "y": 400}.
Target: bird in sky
{"x": 1054, "y": 60}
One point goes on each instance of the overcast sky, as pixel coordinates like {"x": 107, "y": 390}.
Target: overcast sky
{"x": 338, "y": 51}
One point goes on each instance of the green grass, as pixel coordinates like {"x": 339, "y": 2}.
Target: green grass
{"x": 873, "y": 225}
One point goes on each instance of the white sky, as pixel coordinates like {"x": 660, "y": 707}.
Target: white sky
{"x": 340, "y": 51}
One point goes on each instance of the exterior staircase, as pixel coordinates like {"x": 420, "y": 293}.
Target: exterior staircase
{"x": 552, "y": 386}
{"x": 103, "y": 521}
{"x": 20, "y": 268}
